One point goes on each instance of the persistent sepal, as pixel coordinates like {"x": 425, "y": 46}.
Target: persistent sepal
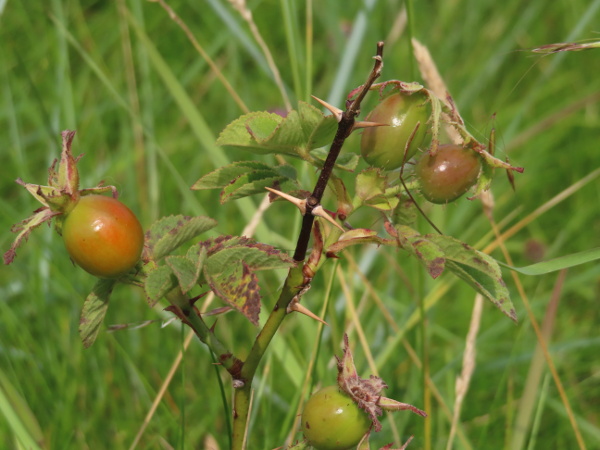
{"x": 367, "y": 393}
{"x": 58, "y": 198}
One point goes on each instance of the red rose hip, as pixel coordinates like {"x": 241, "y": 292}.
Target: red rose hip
{"x": 103, "y": 236}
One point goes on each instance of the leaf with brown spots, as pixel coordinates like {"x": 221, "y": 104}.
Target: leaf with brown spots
{"x": 237, "y": 285}
{"x": 479, "y": 270}
{"x": 230, "y": 270}
{"x": 426, "y": 250}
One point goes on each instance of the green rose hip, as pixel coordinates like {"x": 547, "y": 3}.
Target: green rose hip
{"x": 384, "y": 147}
{"x": 331, "y": 420}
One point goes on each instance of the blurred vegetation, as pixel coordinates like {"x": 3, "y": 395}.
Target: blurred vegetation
{"x": 147, "y": 109}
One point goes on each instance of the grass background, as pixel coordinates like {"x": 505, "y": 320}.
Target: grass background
{"x": 147, "y": 109}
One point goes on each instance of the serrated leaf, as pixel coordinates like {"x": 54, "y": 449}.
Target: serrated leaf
{"x": 431, "y": 255}
{"x": 319, "y": 129}
{"x": 252, "y": 183}
{"x": 94, "y": 310}
{"x": 230, "y": 266}
{"x": 355, "y": 237}
{"x": 370, "y": 183}
{"x": 407, "y": 213}
{"x": 185, "y": 270}
{"x": 158, "y": 283}
{"x": 372, "y": 189}
{"x": 383, "y": 203}
{"x": 479, "y": 270}
{"x": 220, "y": 243}
{"x": 346, "y": 161}
{"x": 237, "y": 285}
{"x": 255, "y": 256}
{"x": 301, "y": 131}
{"x": 197, "y": 254}
{"x": 245, "y": 178}
{"x": 222, "y": 176}
{"x": 237, "y": 134}
{"x": 170, "y": 232}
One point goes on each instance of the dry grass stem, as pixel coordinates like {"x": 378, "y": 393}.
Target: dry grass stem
{"x": 242, "y": 8}
{"x": 434, "y": 82}
{"x": 213, "y": 66}
{"x": 464, "y": 379}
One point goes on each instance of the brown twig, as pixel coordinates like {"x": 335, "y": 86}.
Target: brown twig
{"x": 345, "y": 127}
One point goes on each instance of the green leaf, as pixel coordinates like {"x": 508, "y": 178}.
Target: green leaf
{"x": 253, "y": 183}
{"x": 560, "y": 263}
{"x": 185, "y": 270}
{"x": 299, "y": 132}
{"x": 407, "y": 213}
{"x": 245, "y": 178}
{"x": 372, "y": 189}
{"x": 370, "y": 183}
{"x": 479, "y": 270}
{"x": 170, "y": 232}
{"x": 222, "y": 177}
{"x": 427, "y": 252}
{"x": 355, "y": 237}
{"x": 263, "y": 133}
{"x": 255, "y": 255}
{"x": 94, "y": 310}
{"x": 158, "y": 283}
{"x": 319, "y": 129}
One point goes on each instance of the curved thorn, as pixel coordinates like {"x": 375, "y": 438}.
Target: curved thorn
{"x": 364, "y": 124}
{"x": 301, "y": 204}
{"x": 337, "y": 112}
{"x": 320, "y": 212}
{"x": 295, "y": 306}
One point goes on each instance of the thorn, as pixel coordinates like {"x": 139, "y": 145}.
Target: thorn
{"x": 301, "y": 204}
{"x": 320, "y": 212}
{"x": 193, "y": 300}
{"x": 295, "y": 306}
{"x": 337, "y": 112}
{"x": 363, "y": 124}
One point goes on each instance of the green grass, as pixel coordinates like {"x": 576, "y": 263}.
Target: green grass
{"x": 147, "y": 109}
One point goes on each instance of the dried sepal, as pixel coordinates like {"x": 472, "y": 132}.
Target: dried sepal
{"x": 57, "y": 198}
{"x": 25, "y": 228}
{"x": 367, "y": 392}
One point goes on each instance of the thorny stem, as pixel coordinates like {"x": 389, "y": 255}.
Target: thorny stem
{"x": 345, "y": 127}
{"x": 294, "y": 282}
{"x": 243, "y": 372}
